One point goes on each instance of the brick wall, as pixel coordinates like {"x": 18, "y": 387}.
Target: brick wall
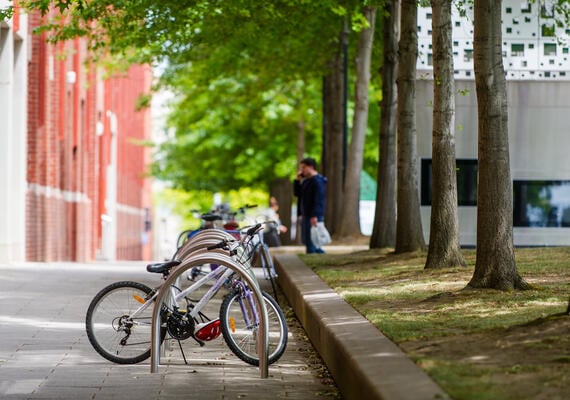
{"x": 68, "y": 146}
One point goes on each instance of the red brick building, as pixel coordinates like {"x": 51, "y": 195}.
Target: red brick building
{"x": 86, "y": 194}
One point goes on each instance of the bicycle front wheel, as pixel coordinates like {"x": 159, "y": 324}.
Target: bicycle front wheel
{"x": 113, "y": 329}
{"x": 237, "y": 320}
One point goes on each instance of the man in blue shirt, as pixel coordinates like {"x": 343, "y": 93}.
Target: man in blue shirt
{"x": 310, "y": 188}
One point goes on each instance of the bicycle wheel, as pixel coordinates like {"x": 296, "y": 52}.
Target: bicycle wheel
{"x": 241, "y": 338}
{"x": 113, "y": 333}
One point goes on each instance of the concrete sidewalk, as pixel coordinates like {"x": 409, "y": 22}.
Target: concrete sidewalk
{"x": 45, "y": 353}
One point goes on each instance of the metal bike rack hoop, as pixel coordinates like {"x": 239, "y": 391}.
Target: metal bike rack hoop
{"x": 197, "y": 241}
{"x": 199, "y": 257}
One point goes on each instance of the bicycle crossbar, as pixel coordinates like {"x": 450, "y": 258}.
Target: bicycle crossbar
{"x": 199, "y": 257}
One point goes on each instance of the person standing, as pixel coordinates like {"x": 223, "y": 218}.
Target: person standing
{"x": 310, "y": 187}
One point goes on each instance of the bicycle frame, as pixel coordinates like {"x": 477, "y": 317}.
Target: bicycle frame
{"x": 176, "y": 295}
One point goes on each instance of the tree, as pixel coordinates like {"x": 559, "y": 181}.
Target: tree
{"x": 495, "y": 266}
{"x": 332, "y": 164}
{"x": 350, "y": 216}
{"x": 444, "y": 248}
{"x": 384, "y": 230}
{"x": 232, "y": 133}
{"x": 285, "y": 41}
{"x": 409, "y": 235}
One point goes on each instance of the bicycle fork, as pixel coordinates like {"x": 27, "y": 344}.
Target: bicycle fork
{"x": 245, "y": 300}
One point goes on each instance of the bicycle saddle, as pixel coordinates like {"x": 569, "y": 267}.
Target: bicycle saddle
{"x": 160, "y": 268}
{"x": 210, "y": 217}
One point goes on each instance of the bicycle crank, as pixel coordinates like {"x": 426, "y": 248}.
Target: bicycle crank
{"x": 179, "y": 326}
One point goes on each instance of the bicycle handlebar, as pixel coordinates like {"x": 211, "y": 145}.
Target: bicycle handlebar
{"x": 253, "y": 230}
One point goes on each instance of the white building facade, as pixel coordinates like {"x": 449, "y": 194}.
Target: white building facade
{"x": 13, "y": 133}
{"x": 536, "y": 60}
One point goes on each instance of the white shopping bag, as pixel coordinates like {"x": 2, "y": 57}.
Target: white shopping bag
{"x": 320, "y": 235}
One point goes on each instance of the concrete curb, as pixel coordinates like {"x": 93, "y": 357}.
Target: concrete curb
{"x": 363, "y": 362}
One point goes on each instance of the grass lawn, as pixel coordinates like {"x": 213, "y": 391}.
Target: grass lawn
{"x": 477, "y": 344}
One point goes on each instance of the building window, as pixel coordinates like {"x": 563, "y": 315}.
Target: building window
{"x": 457, "y": 23}
{"x": 541, "y": 203}
{"x": 548, "y": 30}
{"x": 466, "y": 182}
{"x": 526, "y": 8}
{"x": 549, "y": 49}
{"x": 509, "y": 30}
{"x": 517, "y": 50}
{"x": 546, "y": 12}
{"x": 428, "y": 16}
{"x": 531, "y": 45}
{"x": 509, "y": 10}
{"x": 430, "y": 59}
{"x": 467, "y": 55}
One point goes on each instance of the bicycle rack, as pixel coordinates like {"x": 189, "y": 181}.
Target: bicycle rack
{"x": 202, "y": 239}
{"x": 200, "y": 256}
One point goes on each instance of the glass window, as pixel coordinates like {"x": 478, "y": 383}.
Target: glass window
{"x": 517, "y": 50}
{"x": 547, "y": 30}
{"x": 549, "y": 49}
{"x": 546, "y": 11}
{"x": 541, "y": 203}
{"x": 466, "y": 182}
{"x": 467, "y": 55}
{"x": 525, "y": 7}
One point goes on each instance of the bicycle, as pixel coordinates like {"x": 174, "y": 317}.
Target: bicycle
{"x": 259, "y": 249}
{"x": 119, "y": 318}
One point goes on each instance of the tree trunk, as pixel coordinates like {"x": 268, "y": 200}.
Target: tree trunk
{"x": 384, "y": 230}
{"x": 300, "y": 155}
{"x": 495, "y": 267}
{"x": 444, "y": 248}
{"x": 349, "y": 226}
{"x": 332, "y": 163}
{"x": 282, "y": 190}
{"x": 409, "y": 235}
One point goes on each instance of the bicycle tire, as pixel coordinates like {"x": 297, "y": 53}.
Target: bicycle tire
{"x": 241, "y": 339}
{"x": 103, "y": 327}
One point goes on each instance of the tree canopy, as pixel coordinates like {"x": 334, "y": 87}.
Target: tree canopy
{"x": 245, "y": 73}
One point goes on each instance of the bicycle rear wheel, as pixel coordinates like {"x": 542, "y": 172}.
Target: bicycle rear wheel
{"x": 241, "y": 337}
{"x": 113, "y": 333}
